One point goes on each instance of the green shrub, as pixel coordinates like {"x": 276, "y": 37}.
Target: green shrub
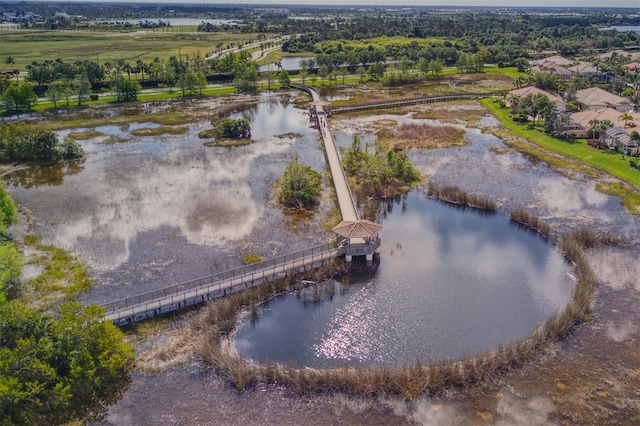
{"x": 299, "y": 185}
{"x": 250, "y": 258}
{"x": 232, "y": 129}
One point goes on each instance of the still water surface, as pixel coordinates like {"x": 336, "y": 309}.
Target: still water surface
{"x": 450, "y": 283}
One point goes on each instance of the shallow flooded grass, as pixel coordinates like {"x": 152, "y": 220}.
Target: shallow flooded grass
{"x": 455, "y": 195}
{"x": 162, "y": 130}
{"x": 85, "y": 135}
{"x": 63, "y": 276}
{"x": 529, "y": 220}
{"x": 420, "y": 136}
{"x": 162, "y": 118}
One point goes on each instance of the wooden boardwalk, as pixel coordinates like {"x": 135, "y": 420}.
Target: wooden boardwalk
{"x": 413, "y": 101}
{"x": 172, "y": 298}
{"x": 197, "y": 291}
{"x": 346, "y": 202}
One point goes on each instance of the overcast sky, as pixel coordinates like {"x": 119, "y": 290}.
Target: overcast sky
{"x": 539, "y": 3}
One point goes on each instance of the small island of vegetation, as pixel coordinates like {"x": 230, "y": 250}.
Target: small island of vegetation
{"x": 376, "y": 173}
{"x": 299, "y": 186}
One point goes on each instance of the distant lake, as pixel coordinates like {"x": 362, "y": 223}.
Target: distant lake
{"x": 173, "y": 21}
{"x": 623, "y": 28}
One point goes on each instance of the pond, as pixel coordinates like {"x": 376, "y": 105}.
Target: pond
{"x": 288, "y": 63}
{"x": 450, "y": 283}
{"x": 151, "y": 211}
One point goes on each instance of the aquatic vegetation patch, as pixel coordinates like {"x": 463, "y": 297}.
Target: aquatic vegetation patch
{"x": 162, "y": 130}
{"x": 85, "y": 135}
{"x": 229, "y": 143}
{"x": 455, "y": 195}
{"x": 63, "y": 277}
{"x": 529, "y": 220}
{"x": 414, "y": 135}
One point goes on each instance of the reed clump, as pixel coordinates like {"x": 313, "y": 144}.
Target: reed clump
{"x": 458, "y": 196}
{"x": 529, "y": 220}
{"x": 410, "y": 380}
{"x": 227, "y": 109}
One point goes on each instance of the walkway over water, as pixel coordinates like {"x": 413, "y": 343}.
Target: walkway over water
{"x": 356, "y": 238}
{"x": 199, "y": 290}
{"x": 359, "y": 237}
{"x": 346, "y": 203}
{"x": 413, "y": 101}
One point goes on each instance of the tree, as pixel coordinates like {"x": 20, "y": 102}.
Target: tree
{"x": 11, "y": 62}
{"x": 323, "y": 72}
{"x": 39, "y": 73}
{"x": 598, "y": 129}
{"x": 303, "y": 74}
{"x": 83, "y": 87}
{"x": 201, "y": 81}
{"x": 343, "y": 73}
{"x": 361, "y": 71}
{"x": 53, "y": 93}
{"x": 54, "y": 370}
{"x": 232, "y": 129}
{"x": 95, "y": 73}
{"x": 284, "y": 78}
{"x": 535, "y": 105}
{"x": 67, "y": 89}
{"x": 627, "y": 118}
{"x": 423, "y": 65}
{"x": 377, "y": 70}
{"x": 556, "y": 123}
{"x": 20, "y": 97}
{"x": 436, "y": 66}
{"x": 8, "y": 214}
{"x": 299, "y": 185}
{"x": 125, "y": 90}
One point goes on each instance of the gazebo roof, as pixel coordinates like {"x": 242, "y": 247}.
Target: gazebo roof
{"x": 357, "y": 229}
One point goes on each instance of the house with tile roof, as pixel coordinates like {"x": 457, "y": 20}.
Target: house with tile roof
{"x": 532, "y": 90}
{"x": 563, "y": 73}
{"x": 618, "y": 136}
{"x": 587, "y": 69}
{"x": 595, "y": 98}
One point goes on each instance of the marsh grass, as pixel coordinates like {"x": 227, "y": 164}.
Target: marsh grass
{"x": 229, "y": 143}
{"x": 87, "y": 134}
{"x": 63, "y": 277}
{"x": 113, "y": 139}
{"x": 529, "y": 220}
{"x": 629, "y": 198}
{"x": 458, "y": 196}
{"x": 410, "y": 380}
{"x": 415, "y": 135}
{"x": 137, "y": 116}
{"x": 162, "y": 130}
{"x": 225, "y": 110}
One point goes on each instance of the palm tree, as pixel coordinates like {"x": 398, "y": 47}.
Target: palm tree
{"x": 10, "y": 61}
{"x": 627, "y": 118}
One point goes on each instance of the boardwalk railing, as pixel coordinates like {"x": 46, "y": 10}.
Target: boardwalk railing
{"x": 414, "y": 101}
{"x": 200, "y": 289}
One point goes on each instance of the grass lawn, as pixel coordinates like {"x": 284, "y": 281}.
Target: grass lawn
{"x": 26, "y": 46}
{"x": 612, "y": 163}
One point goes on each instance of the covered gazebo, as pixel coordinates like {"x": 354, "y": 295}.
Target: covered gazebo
{"x": 360, "y": 237}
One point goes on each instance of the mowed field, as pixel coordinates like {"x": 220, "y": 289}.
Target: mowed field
{"x": 26, "y": 46}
